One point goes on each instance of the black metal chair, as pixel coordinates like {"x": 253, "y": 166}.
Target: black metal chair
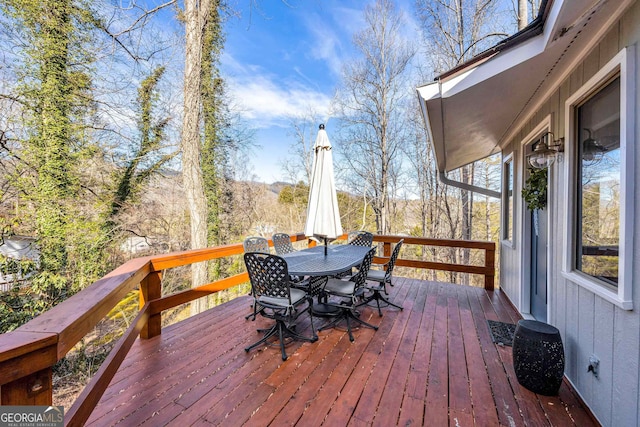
{"x": 360, "y": 238}
{"x": 282, "y": 243}
{"x": 255, "y": 244}
{"x": 270, "y": 285}
{"x": 350, "y": 290}
{"x": 382, "y": 277}
{"x": 356, "y": 238}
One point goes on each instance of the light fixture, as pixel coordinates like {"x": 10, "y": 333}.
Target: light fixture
{"x": 592, "y": 151}
{"x": 545, "y": 151}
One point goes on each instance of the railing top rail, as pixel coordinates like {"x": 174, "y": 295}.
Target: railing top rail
{"x": 427, "y": 241}
{"x": 73, "y": 318}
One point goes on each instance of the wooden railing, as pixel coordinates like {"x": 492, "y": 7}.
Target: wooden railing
{"x": 28, "y": 354}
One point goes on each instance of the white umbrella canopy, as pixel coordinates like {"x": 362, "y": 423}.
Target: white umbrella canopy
{"x": 323, "y": 215}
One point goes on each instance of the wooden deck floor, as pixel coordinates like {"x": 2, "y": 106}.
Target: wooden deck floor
{"x": 431, "y": 364}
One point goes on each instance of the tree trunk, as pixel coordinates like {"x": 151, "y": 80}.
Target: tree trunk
{"x": 522, "y": 14}
{"x": 195, "y": 13}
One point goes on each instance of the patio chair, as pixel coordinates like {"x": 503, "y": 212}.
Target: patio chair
{"x": 356, "y": 238}
{"x": 270, "y": 285}
{"x": 382, "y": 277}
{"x": 350, "y": 290}
{"x": 360, "y": 238}
{"x": 255, "y": 244}
{"x": 282, "y": 243}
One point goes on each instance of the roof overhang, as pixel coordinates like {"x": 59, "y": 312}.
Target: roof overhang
{"x": 473, "y": 111}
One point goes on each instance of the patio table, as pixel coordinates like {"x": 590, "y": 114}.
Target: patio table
{"x": 313, "y": 262}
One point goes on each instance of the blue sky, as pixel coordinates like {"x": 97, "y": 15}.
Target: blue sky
{"x": 282, "y": 60}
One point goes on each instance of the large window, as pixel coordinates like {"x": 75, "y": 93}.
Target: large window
{"x": 600, "y": 123}
{"x": 598, "y": 184}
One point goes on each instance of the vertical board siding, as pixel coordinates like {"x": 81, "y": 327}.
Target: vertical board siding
{"x": 625, "y": 368}
{"x": 586, "y": 311}
{"x": 603, "y": 349}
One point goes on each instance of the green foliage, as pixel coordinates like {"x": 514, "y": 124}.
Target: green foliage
{"x": 534, "y": 192}
{"x": 216, "y": 145}
{"x": 18, "y": 267}
{"x": 15, "y": 309}
{"x": 296, "y": 195}
{"x": 146, "y": 159}
{"x": 355, "y": 215}
{"x": 54, "y": 88}
{"x": 19, "y": 305}
{"x": 49, "y": 289}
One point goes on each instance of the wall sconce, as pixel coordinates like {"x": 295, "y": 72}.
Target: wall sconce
{"x": 545, "y": 151}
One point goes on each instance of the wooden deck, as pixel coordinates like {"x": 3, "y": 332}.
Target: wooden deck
{"x": 431, "y": 364}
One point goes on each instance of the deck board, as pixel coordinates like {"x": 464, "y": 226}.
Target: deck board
{"x": 432, "y": 363}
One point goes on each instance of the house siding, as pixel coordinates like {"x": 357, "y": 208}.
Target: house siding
{"x": 589, "y": 325}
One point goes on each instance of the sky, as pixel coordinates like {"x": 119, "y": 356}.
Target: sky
{"x": 282, "y": 60}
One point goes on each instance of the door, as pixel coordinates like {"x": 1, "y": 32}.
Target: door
{"x": 539, "y": 225}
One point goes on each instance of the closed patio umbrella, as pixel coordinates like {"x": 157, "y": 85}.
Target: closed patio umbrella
{"x": 323, "y": 216}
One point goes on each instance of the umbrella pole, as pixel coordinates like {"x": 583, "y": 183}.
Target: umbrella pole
{"x": 325, "y": 246}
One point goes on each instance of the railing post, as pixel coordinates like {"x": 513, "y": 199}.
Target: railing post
{"x": 386, "y": 249}
{"x": 150, "y": 289}
{"x": 490, "y": 263}
{"x": 33, "y": 389}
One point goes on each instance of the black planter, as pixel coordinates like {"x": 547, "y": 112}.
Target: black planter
{"x": 538, "y": 357}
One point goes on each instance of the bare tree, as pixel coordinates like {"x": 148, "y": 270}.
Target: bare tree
{"x": 455, "y": 31}
{"x": 304, "y": 130}
{"x": 370, "y": 104}
{"x": 523, "y": 17}
{"x": 526, "y": 8}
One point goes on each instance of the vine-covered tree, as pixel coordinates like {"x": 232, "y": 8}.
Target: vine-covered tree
{"x": 54, "y": 92}
{"x": 149, "y": 156}
{"x": 455, "y": 31}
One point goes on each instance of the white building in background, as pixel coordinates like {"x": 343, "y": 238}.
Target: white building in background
{"x": 17, "y": 248}
{"x": 135, "y": 244}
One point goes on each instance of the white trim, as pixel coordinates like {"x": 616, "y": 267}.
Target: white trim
{"x": 525, "y": 229}
{"x": 510, "y": 243}
{"x": 624, "y": 64}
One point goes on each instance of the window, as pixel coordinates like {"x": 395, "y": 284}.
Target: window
{"x": 600, "y": 123}
{"x": 507, "y": 185}
{"x": 598, "y": 185}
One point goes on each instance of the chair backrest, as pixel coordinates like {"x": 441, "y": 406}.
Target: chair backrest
{"x": 269, "y": 275}
{"x": 256, "y": 244}
{"x": 392, "y": 261}
{"x": 360, "y": 238}
{"x": 282, "y": 243}
{"x": 361, "y": 276}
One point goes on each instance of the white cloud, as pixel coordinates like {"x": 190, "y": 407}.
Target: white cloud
{"x": 267, "y": 101}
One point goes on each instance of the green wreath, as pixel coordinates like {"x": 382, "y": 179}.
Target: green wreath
{"x": 535, "y": 189}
